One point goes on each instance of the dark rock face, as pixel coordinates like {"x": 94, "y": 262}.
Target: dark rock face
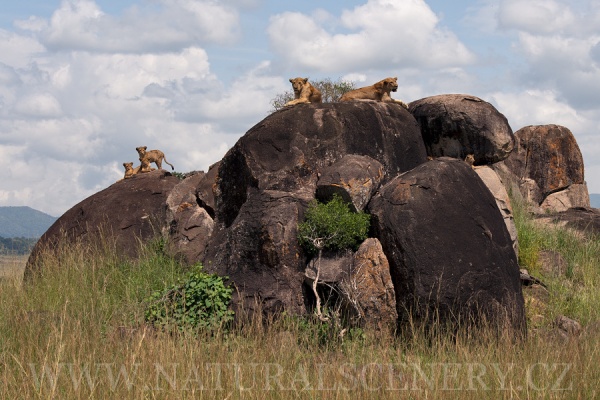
{"x": 360, "y": 282}
{"x": 448, "y": 247}
{"x": 549, "y": 155}
{"x": 455, "y": 125}
{"x": 369, "y": 286}
{"x": 190, "y": 224}
{"x": 547, "y": 167}
{"x": 354, "y": 178}
{"x": 128, "y": 211}
{"x": 267, "y": 179}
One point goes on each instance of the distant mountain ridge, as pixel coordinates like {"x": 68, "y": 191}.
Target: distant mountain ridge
{"x": 23, "y": 222}
{"x": 595, "y": 200}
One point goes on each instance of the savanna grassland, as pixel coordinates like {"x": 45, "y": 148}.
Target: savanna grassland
{"x": 78, "y": 331}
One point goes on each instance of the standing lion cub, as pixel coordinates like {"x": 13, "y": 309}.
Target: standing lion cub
{"x": 304, "y": 92}
{"x": 379, "y": 92}
{"x": 152, "y": 156}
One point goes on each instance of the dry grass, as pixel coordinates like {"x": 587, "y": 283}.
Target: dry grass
{"x": 77, "y": 332}
{"x": 11, "y": 267}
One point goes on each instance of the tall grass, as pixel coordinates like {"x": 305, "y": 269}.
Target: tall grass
{"x": 77, "y": 331}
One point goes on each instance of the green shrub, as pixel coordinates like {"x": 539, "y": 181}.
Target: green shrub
{"x": 332, "y": 226}
{"x": 199, "y": 301}
{"x": 180, "y": 175}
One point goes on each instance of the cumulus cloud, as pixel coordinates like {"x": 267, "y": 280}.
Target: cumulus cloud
{"x": 42, "y": 105}
{"x": 557, "y": 42}
{"x": 82, "y": 25}
{"x": 398, "y": 34}
{"x": 535, "y": 16}
{"x": 536, "y": 107}
{"x": 16, "y": 50}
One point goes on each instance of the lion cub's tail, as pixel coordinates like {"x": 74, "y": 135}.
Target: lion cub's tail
{"x": 172, "y": 167}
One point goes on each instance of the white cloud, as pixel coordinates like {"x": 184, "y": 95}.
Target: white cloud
{"x": 17, "y": 50}
{"x": 556, "y": 42}
{"x": 82, "y": 25}
{"x": 42, "y": 105}
{"x": 535, "y": 16}
{"x": 381, "y": 34}
{"x": 536, "y": 107}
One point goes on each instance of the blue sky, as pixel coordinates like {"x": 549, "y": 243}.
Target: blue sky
{"x": 83, "y": 82}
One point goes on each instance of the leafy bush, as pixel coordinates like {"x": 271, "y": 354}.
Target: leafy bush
{"x": 332, "y": 226}
{"x": 199, "y": 301}
{"x": 180, "y": 175}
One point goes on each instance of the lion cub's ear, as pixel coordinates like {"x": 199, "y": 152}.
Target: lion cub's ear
{"x": 291, "y": 80}
{"x": 305, "y": 80}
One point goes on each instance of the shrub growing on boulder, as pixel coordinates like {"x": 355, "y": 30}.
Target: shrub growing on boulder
{"x": 332, "y": 226}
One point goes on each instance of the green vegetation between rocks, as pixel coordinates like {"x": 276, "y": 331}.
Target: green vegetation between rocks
{"x": 332, "y": 226}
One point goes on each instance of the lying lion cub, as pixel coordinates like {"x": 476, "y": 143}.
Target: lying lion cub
{"x": 130, "y": 171}
{"x": 379, "y": 92}
{"x": 304, "y": 92}
{"x": 152, "y": 156}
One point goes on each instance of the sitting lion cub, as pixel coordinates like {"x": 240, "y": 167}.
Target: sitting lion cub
{"x": 304, "y": 92}
{"x": 130, "y": 171}
{"x": 152, "y": 156}
{"x": 379, "y": 92}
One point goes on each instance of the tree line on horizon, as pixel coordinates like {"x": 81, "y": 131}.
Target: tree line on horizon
{"x": 16, "y": 246}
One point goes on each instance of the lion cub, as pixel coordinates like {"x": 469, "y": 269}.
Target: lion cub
{"x": 130, "y": 171}
{"x": 470, "y": 159}
{"x": 378, "y": 92}
{"x": 152, "y": 156}
{"x": 304, "y": 92}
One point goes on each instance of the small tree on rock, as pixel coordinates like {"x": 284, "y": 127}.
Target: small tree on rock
{"x": 331, "y": 226}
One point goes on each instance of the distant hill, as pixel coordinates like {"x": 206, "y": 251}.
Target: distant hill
{"x": 23, "y": 222}
{"x": 595, "y": 200}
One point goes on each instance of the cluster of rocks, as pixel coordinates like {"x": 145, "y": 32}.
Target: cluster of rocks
{"x": 442, "y": 243}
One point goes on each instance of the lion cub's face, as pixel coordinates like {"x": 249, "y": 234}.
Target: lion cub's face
{"x": 128, "y": 166}
{"x": 390, "y": 84}
{"x": 298, "y": 84}
{"x": 141, "y": 150}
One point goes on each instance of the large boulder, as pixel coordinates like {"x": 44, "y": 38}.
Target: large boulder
{"x": 450, "y": 254}
{"x": 369, "y": 288}
{"x": 189, "y": 219}
{"x": 547, "y": 167}
{"x": 128, "y": 212}
{"x": 456, "y": 125}
{"x": 266, "y": 181}
{"x": 358, "y": 284}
